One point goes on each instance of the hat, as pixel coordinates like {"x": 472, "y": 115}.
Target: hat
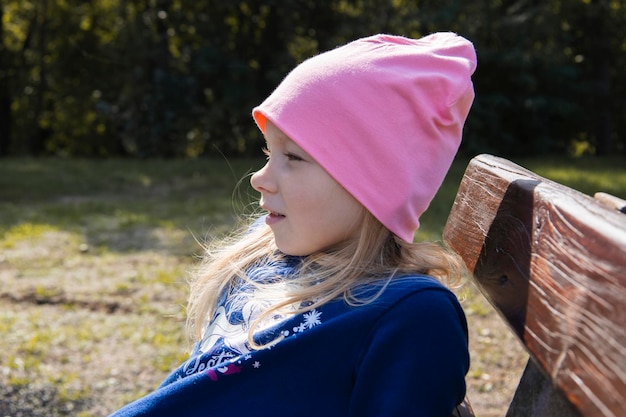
{"x": 383, "y": 115}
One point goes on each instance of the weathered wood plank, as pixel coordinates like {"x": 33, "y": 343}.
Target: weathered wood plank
{"x": 553, "y": 262}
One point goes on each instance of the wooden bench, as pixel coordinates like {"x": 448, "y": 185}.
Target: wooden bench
{"x": 552, "y": 261}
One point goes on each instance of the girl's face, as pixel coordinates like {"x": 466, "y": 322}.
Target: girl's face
{"x": 308, "y": 210}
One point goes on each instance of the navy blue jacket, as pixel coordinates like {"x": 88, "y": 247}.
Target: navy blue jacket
{"x": 404, "y": 354}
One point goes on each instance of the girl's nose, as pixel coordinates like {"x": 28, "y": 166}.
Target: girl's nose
{"x": 261, "y": 180}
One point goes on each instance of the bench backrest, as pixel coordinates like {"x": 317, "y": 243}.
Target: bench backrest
{"x": 552, "y": 261}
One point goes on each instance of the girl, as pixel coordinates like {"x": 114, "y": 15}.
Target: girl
{"x": 325, "y": 306}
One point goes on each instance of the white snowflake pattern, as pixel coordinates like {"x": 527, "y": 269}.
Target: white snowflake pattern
{"x": 311, "y": 319}
{"x": 256, "y": 365}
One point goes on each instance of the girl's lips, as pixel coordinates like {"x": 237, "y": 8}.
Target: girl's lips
{"x": 273, "y": 218}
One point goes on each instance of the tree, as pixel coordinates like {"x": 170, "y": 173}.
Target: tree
{"x": 5, "y": 94}
{"x": 598, "y": 41}
{"x": 176, "y": 78}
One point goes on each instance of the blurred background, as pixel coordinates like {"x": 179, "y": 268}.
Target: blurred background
{"x": 178, "y": 78}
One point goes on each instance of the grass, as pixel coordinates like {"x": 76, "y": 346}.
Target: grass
{"x": 93, "y": 260}
{"x": 94, "y": 257}
{"x": 119, "y": 195}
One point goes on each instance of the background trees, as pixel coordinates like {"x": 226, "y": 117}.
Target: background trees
{"x": 178, "y": 78}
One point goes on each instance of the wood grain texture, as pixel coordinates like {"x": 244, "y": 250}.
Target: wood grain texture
{"x": 553, "y": 262}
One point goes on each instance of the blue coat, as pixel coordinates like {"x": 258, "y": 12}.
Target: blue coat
{"x": 404, "y": 354}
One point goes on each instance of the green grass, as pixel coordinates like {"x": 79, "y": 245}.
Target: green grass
{"x": 94, "y": 256}
{"x": 588, "y": 175}
{"x": 103, "y": 200}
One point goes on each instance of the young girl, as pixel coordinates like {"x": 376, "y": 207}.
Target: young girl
{"x": 324, "y": 306}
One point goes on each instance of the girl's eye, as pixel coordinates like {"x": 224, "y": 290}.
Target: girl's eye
{"x": 292, "y": 157}
{"x": 289, "y": 155}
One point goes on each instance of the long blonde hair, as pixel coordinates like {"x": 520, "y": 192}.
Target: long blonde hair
{"x": 322, "y": 276}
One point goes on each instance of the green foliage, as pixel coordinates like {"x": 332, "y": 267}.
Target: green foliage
{"x": 545, "y": 70}
{"x": 178, "y": 78}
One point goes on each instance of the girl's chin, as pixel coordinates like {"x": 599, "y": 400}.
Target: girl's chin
{"x": 290, "y": 250}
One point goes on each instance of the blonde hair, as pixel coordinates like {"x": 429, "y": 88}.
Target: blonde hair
{"x": 322, "y": 277}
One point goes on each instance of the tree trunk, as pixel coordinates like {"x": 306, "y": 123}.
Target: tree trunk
{"x": 601, "y": 58}
{"x": 5, "y": 96}
{"x": 604, "y": 119}
{"x": 36, "y": 135}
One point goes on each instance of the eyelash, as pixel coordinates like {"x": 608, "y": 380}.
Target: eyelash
{"x": 290, "y": 156}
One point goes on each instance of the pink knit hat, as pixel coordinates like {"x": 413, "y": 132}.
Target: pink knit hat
{"x": 383, "y": 116}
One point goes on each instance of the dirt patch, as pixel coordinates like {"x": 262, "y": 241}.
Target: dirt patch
{"x": 37, "y": 401}
{"x": 497, "y": 359}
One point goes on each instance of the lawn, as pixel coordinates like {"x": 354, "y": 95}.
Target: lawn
{"x": 93, "y": 263}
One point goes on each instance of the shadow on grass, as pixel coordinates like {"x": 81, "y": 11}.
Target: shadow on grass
{"x": 125, "y": 205}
